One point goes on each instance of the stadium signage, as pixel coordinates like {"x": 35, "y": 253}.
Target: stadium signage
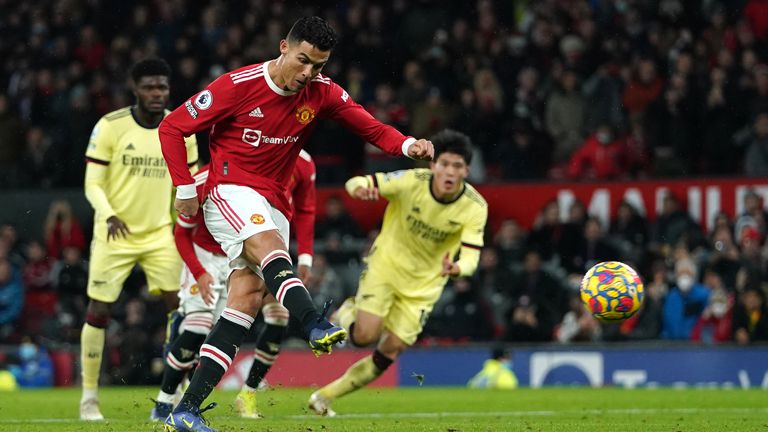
{"x": 628, "y": 366}
{"x": 703, "y": 198}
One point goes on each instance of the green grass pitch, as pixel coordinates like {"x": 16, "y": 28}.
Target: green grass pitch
{"x": 418, "y": 409}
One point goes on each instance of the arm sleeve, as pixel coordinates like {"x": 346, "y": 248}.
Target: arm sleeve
{"x": 304, "y": 201}
{"x": 202, "y": 111}
{"x": 356, "y": 182}
{"x": 354, "y": 117}
{"x": 393, "y": 183}
{"x": 182, "y": 235}
{"x": 389, "y": 184}
{"x": 95, "y": 178}
{"x": 190, "y": 143}
{"x": 98, "y": 155}
{"x": 472, "y": 242}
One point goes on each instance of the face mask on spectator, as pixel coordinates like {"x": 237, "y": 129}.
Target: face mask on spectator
{"x": 604, "y": 137}
{"x": 719, "y": 309}
{"x": 27, "y": 351}
{"x": 684, "y": 282}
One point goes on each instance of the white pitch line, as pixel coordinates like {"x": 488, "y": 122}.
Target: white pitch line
{"x": 63, "y": 420}
{"x": 540, "y": 413}
{"x": 534, "y": 413}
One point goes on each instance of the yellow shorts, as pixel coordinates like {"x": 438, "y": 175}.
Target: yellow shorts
{"x": 112, "y": 262}
{"x": 405, "y": 304}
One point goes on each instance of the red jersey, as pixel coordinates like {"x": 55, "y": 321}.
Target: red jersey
{"x": 257, "y": 130}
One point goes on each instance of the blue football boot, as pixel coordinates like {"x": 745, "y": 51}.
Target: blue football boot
{"x": 324, "y": 335}
{"x": 188, "y": 421}
{"x": 161, "y": 411}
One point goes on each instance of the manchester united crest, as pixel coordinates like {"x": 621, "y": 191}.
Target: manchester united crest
{"x": 305, "y": 114}
{"x": 257, "y": 219}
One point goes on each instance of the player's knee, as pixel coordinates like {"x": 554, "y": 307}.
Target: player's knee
{"x": 199, "y": 323}
{"x": 259, "y": 246}
{"x": 245, "y": 292}
{"x": 98, "y": 314}
{"x": 275, "y": 314}
{"x": 247, "y": 304}
{"x": 171, "y": 299}
{"x": 391, "y": 346}
{"x": 364, "y": 336}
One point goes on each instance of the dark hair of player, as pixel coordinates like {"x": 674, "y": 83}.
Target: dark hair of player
{"x": 150, "y": 67}
{"x": 315, "y": 31}
{"x": 451, "y": 141}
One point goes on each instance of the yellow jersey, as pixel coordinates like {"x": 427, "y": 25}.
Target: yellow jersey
{"x": 418, "y": 230}
{"x": 136, "y": 185}
{"x": 494, "y": 375}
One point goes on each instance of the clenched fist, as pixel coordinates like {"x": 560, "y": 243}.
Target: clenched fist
{"x": 421, "y": 149}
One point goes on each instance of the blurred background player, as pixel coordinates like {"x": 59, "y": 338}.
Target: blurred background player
{"x": 263, "y": 114}
{"x": 128, "y": 185}
{"x": 432, "y": 215}
{"x": 496, "y": 372}
{"x": 203, "y": 293}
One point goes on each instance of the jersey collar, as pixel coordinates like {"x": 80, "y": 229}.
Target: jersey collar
{"x": 141, "y": 123}
{"x": 438, "y": 200}
{"x": 272, "y": 84}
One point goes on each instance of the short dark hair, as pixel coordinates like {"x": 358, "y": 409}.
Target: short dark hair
{"x": 451, "y": 141}
{"x": 150, "y": 67}
{"x": 500, "y": 351}
{"x": 315, "y": 30}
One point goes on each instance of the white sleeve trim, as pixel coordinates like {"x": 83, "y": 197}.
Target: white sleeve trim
{"x": 186, "y": 191}
{"x": 407, "y": 144}
{"x": 305, "y": 259}
{"x": 184, "y": 223}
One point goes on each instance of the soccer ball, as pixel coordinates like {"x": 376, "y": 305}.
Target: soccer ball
{"x": 612, "y": 291}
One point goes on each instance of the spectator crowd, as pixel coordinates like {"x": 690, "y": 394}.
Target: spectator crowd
{"x": 707, "y": 287}
{"x": 546, "y": 89}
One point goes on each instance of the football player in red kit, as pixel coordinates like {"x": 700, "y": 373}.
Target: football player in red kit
{"x": 260, "y": 117}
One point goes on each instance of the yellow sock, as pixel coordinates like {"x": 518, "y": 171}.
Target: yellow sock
{"x": 357, "y": 376}
{"x": 91, "y": 350}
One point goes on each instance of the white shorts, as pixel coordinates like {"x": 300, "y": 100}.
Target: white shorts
{"x": 190, "y": 300}
{"x": 234, "y": 213}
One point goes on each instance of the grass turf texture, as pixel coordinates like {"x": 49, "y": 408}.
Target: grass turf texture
{"x": 417, "y": 409}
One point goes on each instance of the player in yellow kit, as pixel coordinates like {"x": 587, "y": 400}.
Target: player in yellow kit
{"x": 128, "y": 185}
{"x": 432, "y": 215}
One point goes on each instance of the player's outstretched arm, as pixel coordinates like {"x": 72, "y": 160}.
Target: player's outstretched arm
{"x": 421, "y": 149}
{"x": 362, "y": 188}
{"x": 354, "y": 117}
